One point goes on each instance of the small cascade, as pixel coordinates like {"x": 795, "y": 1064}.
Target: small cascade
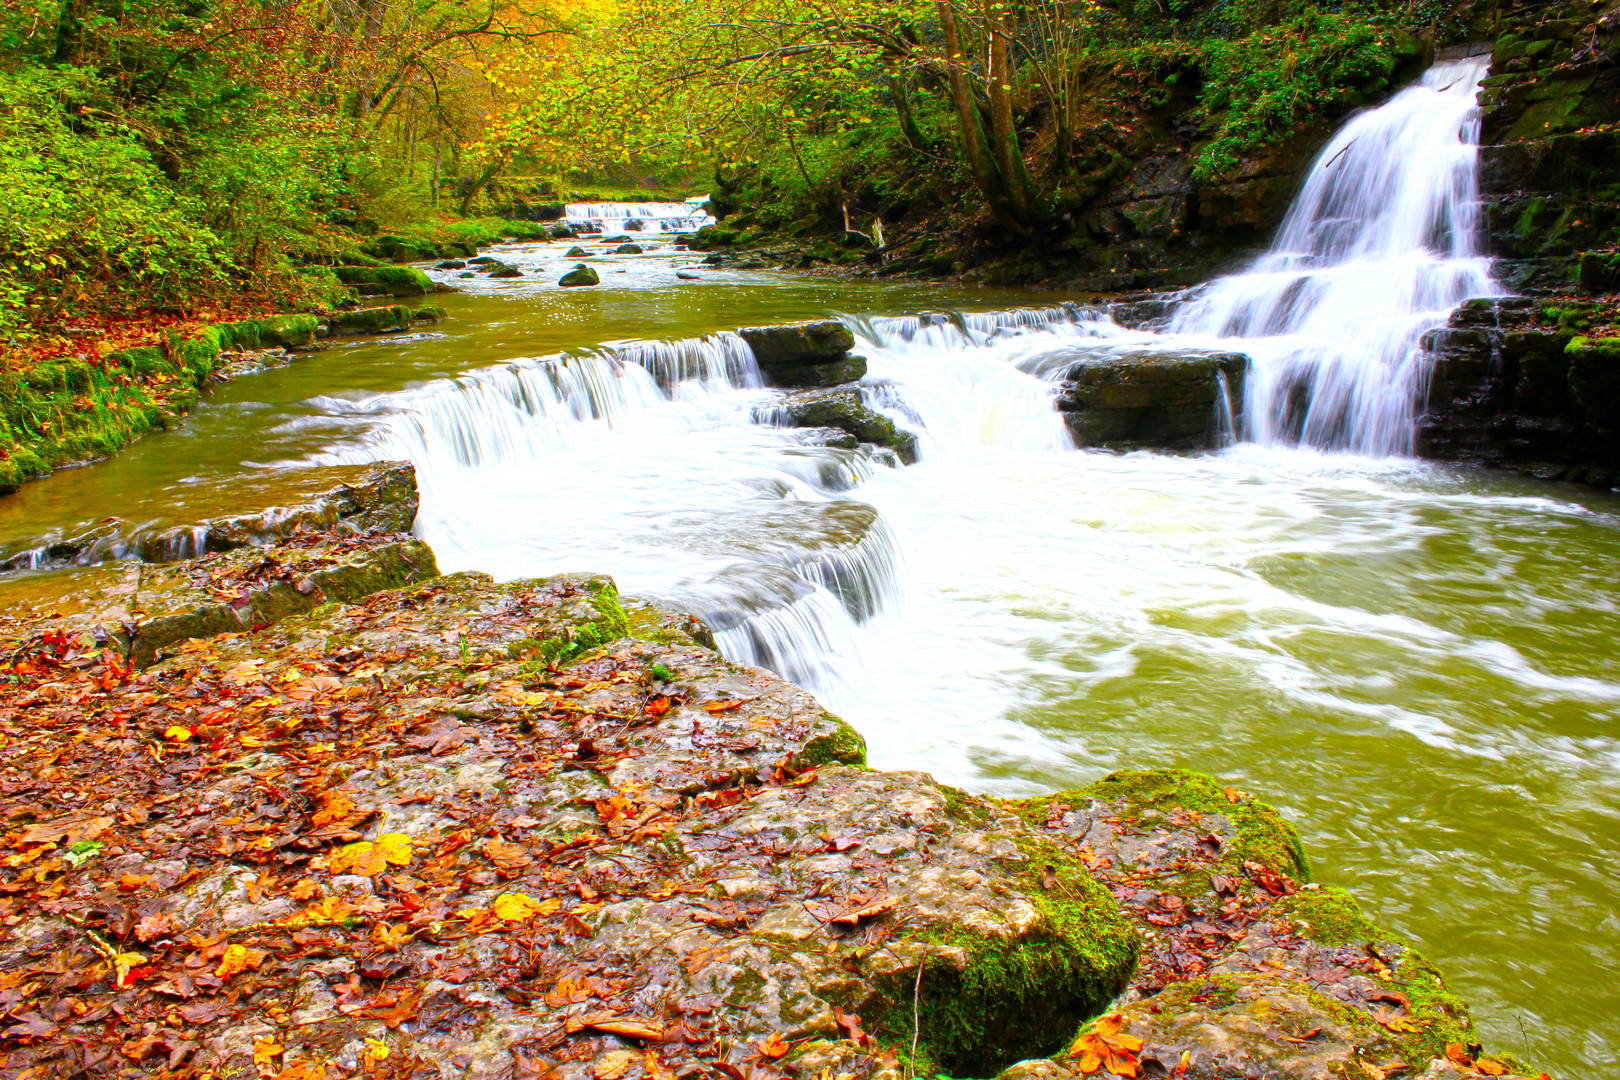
{"x": 958, "y": 381}
{"x": 1381, "y": 244}
{"x": 712, "y": 364}
{"x": 639, "y": 216}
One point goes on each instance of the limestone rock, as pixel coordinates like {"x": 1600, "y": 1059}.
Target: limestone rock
{"x": 1127, "y": 400}
{"x": 844, "y": 408}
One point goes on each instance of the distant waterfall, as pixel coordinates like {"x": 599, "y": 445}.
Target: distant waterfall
{"x": 645, "y": 216}
{"x": 1381, "y": 244}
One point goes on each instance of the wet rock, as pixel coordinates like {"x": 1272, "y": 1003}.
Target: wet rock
{"x": 376, "y": 498}
{"x": 451, "y": 264}
{"x": 576, "y": 252}
{"x": 483, "y": 260}
{"x": 1516, "y": 384}
{"x": 145, "y": 608}
{"x": 687, "y": 275}
{"x": 1129, "y": 400}
{"x": 806, "y": 353}
{"x": 376, "y": 320}
{"x": 844, "y": 408}
{"x": 579, "y": 275}
{"x": 502, "y": 270}
{"x": 628, "y": 249}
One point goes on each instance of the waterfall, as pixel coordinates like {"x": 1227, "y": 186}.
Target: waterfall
{"x": 639, "y": 216}
{"x": 1382, "y": 242}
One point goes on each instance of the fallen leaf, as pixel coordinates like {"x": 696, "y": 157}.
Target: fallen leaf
{"x": 265, "y": 1052}
{"x": 614, "y": 1064}
{"x": 774, "y": 1046}
{"x": 368, "y": 859}
{"x": 505, "y": 855}
{"x": 1106, "y": 1047}
{"x": 1490, "y": 1068}
{"x": 335, "y": 807}
{"x": 178, "y": 733}
{"x": 517, "y": 907}
{"x": 237, "y": 959}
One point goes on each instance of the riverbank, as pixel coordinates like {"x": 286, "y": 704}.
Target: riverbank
{"x": 539, "y": 827}
{"x": 70, "y": 404}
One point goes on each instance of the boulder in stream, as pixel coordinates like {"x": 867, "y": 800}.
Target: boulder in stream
{"x": 805, "y": 353}
{"x": 628, "y": 249}
{"x": 842, "y": 407}
{"x": 576, "y": 252}
{"x": 375, "y": 320}
{"x": 1145, "y": 398}
{"x": 579, "y": 275}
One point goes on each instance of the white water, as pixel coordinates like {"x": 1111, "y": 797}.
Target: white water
{"x": 1381, "y": 244}
{"x": 647, "y": 216}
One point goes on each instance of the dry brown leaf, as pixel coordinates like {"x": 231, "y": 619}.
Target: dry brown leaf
{"x": 237, "y": 959}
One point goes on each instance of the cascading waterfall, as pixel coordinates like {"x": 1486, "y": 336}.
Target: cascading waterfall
{"x": 647, "y": 216}
{"x": 1381, "y": 244}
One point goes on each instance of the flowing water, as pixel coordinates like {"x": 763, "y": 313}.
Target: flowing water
{"x": 1416, "y": 662}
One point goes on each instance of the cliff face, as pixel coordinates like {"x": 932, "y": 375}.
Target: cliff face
{"x": 1550, "y": 153}
{"x": 1530, "y": 383}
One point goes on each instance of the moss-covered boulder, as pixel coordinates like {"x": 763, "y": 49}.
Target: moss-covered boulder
{"x": 628, "y": 249}
{"x": 578, "y": 276}
{"x": 385, "y": 280}
{"x": 373, "y": 320}
{"x": 805, "y": 354}
{"x": 576, "y": 252}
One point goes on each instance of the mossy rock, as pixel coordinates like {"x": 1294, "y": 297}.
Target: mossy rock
{"x": 385, "y": 280}
{"x": 578, "y": 276}
{"x": 377, "y": 320}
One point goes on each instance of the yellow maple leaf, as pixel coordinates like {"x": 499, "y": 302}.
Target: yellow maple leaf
{"x": 178, "y": 733}
{"x": 265, "y": 1052}
{"x": 123, "y": 964}
{"x": 368, "y": 858}
{"x": 237, "y": 959}
{"x": 516, "y": 907}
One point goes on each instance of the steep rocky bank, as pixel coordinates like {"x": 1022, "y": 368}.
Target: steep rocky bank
{"x": 463, "y": 828}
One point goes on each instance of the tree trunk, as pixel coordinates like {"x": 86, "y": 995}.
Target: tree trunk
{"x": 1009, "y": 157}
{"x": 980, "y": 163}
{"x": 483, "y": 179}
{"x": 902, "y": 108}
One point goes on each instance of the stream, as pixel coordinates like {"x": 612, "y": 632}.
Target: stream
{"x": 1414, "y": 661}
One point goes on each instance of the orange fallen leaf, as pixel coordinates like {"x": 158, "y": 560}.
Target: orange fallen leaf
{"x": 335, "y": 806}
{"x": 368, "y": 858}
{"x": 505, "y": 855}
{"x": 774, "y": 1046}
{"x": 265, "y": 1052}
{"x": 517, "y": 907}
{"x": 1106, "y": 1047}
{"x": 1490, "y": 1068}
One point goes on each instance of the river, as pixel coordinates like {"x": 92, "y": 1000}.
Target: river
{"x": 1414, "y": 661}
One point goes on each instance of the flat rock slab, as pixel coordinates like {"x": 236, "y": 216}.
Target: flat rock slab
{"x": 474, "y": 826}
{"x": 470, "y": 829}
{"x": 140, "y": 608}
{"x": 256, "y": 508}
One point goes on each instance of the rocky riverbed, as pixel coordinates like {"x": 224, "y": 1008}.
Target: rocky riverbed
{"x": 358, "y": 819}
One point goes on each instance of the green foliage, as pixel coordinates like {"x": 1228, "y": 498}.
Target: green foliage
{"x": 1266, "y": 84}
{"x": 87, "y": 213}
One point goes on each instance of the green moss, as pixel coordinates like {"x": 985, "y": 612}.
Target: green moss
{"x": 1262, "y": 834}
{"x": 987, "y": 1001}
{"x": 844, "y": 745}
{"x": 1327, "y": 915}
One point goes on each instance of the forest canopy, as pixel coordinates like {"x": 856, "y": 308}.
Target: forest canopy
{"x": 171, "y": 154}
